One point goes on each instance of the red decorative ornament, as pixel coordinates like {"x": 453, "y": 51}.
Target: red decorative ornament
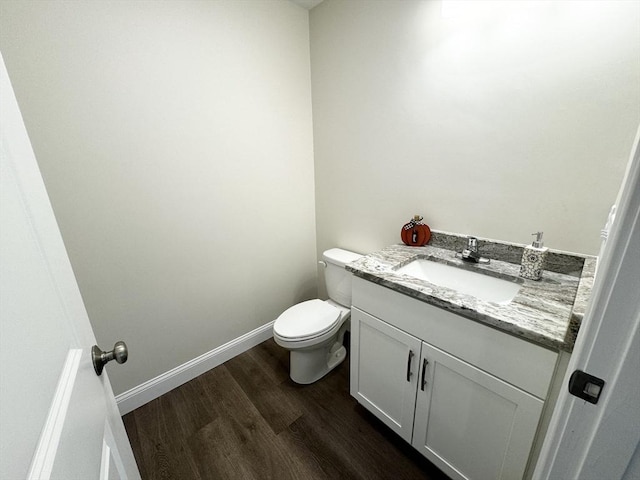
{"x": 415, "y": 233}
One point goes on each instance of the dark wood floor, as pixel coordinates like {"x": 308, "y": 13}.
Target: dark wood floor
{"x": 247, "y": 420}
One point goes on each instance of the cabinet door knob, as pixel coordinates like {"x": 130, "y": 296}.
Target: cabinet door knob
{"x": 425, "y": 362}
{"x": 409, "y": 373}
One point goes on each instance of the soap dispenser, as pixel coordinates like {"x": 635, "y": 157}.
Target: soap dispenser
{"x": 533, "y": 259}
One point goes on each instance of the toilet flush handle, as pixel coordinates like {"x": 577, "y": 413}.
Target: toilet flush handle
{"x": 324, "y": 264}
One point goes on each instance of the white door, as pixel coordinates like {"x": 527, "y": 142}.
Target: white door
{"x": 384, "y": 363}
{"x": 469, "y": 423}
{"x": 602, "y": 441}
{"x": 58, "y": 419}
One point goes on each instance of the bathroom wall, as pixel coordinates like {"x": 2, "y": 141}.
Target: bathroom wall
{"x": 175, "y": 140}
{"x": 496, "y": 119}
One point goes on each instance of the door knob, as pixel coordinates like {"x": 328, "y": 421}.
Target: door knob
{"x": 100, "y": 358}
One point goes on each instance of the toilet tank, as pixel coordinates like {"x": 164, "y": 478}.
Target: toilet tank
{"x": 336, "y": 277}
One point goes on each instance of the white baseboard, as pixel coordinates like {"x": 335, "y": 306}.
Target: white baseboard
{"x": 152, "y": 389}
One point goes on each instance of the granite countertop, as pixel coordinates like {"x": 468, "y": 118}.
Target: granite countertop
{"x": 547, "y": 312}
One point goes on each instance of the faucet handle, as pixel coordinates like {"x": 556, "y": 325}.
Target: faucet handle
{"x": 472, "y": 243}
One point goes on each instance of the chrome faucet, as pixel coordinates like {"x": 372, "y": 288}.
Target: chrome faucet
{"x": 471, "y": 253}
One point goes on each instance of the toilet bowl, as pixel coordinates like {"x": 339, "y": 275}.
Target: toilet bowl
{"x": 313, "y": 331}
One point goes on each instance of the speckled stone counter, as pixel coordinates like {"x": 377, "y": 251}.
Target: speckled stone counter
{"x": 582, "y": 299}
{"x": 547, "y": 312}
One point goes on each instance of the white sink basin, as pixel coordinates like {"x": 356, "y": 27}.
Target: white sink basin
{"x": 481, "y": 286}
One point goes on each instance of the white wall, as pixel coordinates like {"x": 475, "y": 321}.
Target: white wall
{"x": 175, "y": 141}
{"x": 516, "y": 117}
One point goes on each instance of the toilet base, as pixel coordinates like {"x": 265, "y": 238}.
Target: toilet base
{"x": 310, "y": 365}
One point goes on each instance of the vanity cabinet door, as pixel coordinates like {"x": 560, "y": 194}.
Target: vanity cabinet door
{"x": 384, "y": 371}
{"x": 471, "y": 424}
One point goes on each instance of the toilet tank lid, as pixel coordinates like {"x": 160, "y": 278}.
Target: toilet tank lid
{"x": 340, "y": 257}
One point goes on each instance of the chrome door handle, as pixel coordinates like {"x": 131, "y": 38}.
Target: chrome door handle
{"x": 100, "y": 358}
{"x": 409, "y": 366}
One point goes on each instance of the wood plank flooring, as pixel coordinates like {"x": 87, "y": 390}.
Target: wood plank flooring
{"x": 247, "y": 420}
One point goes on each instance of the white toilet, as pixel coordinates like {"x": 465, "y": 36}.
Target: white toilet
{"x": 314, "y": 330}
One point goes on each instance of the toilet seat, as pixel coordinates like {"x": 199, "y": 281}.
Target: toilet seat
{"x": 307, "y": 320}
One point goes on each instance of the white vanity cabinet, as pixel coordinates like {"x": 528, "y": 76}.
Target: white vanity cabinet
{"x": 470, "y": 423}
{"x": 384, "y": 371}
{"x": 467, "y": 396}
